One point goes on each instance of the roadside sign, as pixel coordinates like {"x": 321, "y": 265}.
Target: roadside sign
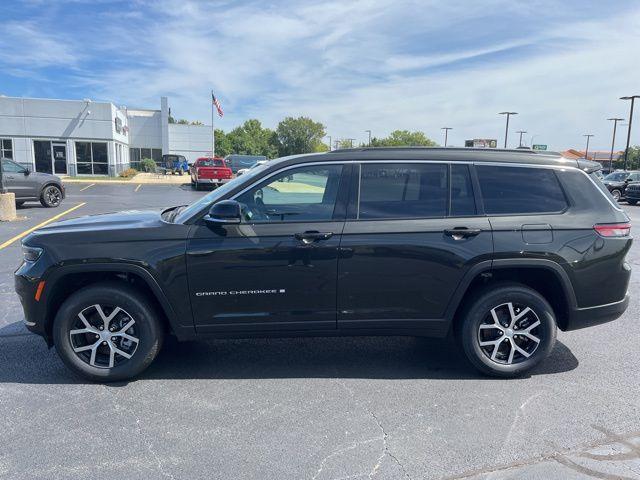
{"x": 481, "y": 143}
{"x": 539, "y": 147}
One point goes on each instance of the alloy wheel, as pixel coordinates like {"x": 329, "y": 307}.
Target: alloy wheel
{"x": 52, "y": 196}
{"x": 104, "y": 336}
{"x": 510, "y": 333}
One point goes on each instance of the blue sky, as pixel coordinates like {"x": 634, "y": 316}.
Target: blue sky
{"x": 354, "y": 65}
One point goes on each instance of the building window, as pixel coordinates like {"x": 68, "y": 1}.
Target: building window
{"x": 137, "y": 154}
{"x": 92, "y": 158}
{"x": 6, "y": 148}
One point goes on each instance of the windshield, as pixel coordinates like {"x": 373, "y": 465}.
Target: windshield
{"x": 616, "y": 176}
{"x": 214, "y": 195}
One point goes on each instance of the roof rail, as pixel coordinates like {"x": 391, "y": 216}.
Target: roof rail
{"x": 447, "y": 149}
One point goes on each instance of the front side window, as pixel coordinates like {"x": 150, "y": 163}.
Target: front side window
{"x": 520, "y": 190}
{"x": 11, "y": 167}
{"x": 403, "y": 190}
{"x": 304, "y": 194}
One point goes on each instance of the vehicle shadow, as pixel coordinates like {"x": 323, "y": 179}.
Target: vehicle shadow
{"x": 25, "y": 359}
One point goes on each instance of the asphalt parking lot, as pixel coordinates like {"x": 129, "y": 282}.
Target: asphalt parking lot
{"x": 317, "y": 408}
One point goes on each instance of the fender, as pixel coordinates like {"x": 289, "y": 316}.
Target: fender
{"x": 181, "y": 331}
{"x": 489, "y": 266}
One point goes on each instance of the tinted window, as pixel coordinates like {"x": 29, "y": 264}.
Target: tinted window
{"x": 514, "y": 190}
{"x": 295, "y": 195}
{"x": 616, "y": 177}
{"x": 11, "y": 167}
{"x": 410, "y": 190}
{"x": 462, "y": 200}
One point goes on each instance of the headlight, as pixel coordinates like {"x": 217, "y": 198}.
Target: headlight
{"x": 31, "y": 254}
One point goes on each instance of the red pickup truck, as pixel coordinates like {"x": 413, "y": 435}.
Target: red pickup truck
{"x": 209, "y": 171}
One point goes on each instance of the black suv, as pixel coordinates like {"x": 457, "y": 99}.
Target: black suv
{"x": 618, "y": 181}
{"x": 497, "y": 247}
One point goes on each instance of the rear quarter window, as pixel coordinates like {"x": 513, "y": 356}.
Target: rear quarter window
{"x": 520, "y": 190}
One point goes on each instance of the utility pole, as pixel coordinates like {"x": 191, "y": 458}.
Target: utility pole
{"x": 626, "y": 150}
{"x": 521, "y": 132}
{"x": 351, "y": 140}
{"x": 506, "y": 130}
{"x": 369, "y": 132}
{"x": 586, "y": 150}
{"x": 337, "y": 142}
{"x": 329, "y": 136}
{"x": 613, "y": 140}
{"x": 446, "y": 134}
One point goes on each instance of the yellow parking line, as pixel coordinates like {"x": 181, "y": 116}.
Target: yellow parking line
{"x": 138, "y": 187}
{"x": 46, "y": 222}
{"x": 88, "y": 186}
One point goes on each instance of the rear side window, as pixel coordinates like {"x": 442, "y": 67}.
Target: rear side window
{"x": 462, "y": 201}
{"x": 398, "y": 190}
{"x": 517, "y": 190}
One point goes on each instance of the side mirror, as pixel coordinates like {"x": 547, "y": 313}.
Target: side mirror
{"x": 224, "y": 213}
{"x": 26, "y": 172}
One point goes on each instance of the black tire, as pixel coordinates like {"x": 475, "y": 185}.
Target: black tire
{"x": 51, "y": 196}
{"x": 479, "y": 312}
{"x": 133, "y": 306}
{"x": 632, "y": 202}
{"x": 616, "y": 194}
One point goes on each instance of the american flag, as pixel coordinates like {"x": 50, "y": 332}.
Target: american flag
{"x": 216, "y": 102}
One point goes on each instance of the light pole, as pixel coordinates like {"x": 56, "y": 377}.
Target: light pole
{"x": 506, "y": 130}
{"x": 586, "y": 150}
{"x": 446, "y": 134}
{"x": 521, "y": 132}
{"x": 351, "y": 140}
{"x": 369, "y": 132}
{"x": 613, "y": 140}
{"x": 626, "y": 150}
{"x": 329, "y": 137}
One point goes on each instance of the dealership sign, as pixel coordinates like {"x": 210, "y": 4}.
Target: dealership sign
{"x": 481, "y": 143}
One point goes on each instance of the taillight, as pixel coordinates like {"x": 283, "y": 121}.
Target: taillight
{"x": 613, "y": 229}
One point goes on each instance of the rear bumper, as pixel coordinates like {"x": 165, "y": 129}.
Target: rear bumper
{"x": 590, "y": 316}
{"x": 213, "y": 180}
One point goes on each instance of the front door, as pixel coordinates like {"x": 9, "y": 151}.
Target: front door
{"x": 59, "y": 158}
{"x": 411, "y": 237}
{"x": 277, "y": 269}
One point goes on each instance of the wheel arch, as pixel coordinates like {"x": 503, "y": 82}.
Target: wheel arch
{"x": 545, "y": 276}
{"x": 68, "y": 279}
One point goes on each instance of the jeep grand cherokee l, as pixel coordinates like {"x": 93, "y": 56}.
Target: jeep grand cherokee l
{"x": 498, "y": 247}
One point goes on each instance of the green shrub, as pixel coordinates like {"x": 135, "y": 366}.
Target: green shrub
{"x": 147, "y": 165}
{"x": 129, "y": 173}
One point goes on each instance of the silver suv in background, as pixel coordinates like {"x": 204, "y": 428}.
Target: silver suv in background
{"x": 32, "y": 186}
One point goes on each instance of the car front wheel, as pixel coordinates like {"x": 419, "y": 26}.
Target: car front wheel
{"x": 508, "y": 330}
{"x": 51, "y": 196}
{"x": 616, "y": 194}
{"x": 107, "y": 332}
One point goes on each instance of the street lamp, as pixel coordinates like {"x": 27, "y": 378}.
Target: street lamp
{"x": 446, "y": 134}
{"x": 506, "y": 130}
{"x": 626, "y": 150}
{"x": 351, "y": 140}
{"x": 613, "y": 141}
{"x": 521, "y": 132}
{"x": 586, "y": 150}
{"x": 369, "y": 132}
{"x": 329, "y": 137}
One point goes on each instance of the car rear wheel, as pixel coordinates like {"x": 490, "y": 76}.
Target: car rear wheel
{"x": 616, "y": 194}
{"x": 507, "y": 330}
{"x": 51, "y": 196}
{"x": 107, "y": 332}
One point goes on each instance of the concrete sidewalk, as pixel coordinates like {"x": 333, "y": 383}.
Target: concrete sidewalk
{"x": 143, "y": 178}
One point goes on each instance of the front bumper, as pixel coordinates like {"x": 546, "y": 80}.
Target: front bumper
{"x": 590, "y": 316}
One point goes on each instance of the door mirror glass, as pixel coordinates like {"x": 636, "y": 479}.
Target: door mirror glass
{"x": 224, "y": 213}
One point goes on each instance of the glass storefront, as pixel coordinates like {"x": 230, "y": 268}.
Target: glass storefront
{"x": 50, "y": 156}
{"x": 92, "y": 158}
{"x": 6, "y": 148}
{"x": 137, "y": 154}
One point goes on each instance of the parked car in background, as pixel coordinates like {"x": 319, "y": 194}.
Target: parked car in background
{"x": 245, "y": 170}
{"x": 175, "y": 164}
{"x": 242, "y": 162}
{"x": 499, "y": 248}
{"x": 32, "y": 186}
{"x": 616, "y": 182}
{"x": 209, "y": 171}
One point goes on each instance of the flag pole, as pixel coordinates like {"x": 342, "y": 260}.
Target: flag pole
{"x": 213, "y": 131}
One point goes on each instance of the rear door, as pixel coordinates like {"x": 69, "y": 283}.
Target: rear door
{"x": 411, "y": 234}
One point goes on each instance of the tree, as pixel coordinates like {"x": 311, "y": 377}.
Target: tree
{"x": 252, "y": 139}
{"x": 345, "y": 143}
{"x": 299, "y": 135}
{"x": 633, "y": 159}
{"x": 403, "y": 138}
{"x": 223, "y": 144}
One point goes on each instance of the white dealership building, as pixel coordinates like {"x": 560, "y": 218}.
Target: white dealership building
{"x": 83, "y": 137}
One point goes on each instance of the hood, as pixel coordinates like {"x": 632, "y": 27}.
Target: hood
{"x": 126, "y": 220}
